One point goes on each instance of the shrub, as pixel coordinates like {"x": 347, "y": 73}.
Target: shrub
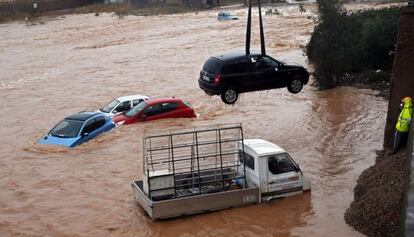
{"x": 302, "y": 8}
{"x": 346, "y": 42}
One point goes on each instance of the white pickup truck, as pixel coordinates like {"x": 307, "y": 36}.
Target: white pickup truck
{"x": 208, "y": 169}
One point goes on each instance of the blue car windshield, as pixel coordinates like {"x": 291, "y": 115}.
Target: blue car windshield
{"x": 137, "y": 108}
{"x": 66, "y": 128}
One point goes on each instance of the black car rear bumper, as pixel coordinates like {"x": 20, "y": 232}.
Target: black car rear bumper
{"x": 209, "y": 88}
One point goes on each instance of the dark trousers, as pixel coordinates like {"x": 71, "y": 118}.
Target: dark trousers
{"x": 400, "y": 140}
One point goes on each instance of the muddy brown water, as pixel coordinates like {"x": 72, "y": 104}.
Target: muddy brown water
{"x": 80, "y": 62}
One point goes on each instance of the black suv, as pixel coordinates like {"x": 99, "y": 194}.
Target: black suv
{"x": 235, "y": 72}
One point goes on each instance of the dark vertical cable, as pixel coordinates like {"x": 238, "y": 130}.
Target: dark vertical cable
{"x": 249, "y": 28}
{"x": 262, "y": 40}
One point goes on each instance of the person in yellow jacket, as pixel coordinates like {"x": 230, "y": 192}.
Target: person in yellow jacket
{"x": 403, "y": 124}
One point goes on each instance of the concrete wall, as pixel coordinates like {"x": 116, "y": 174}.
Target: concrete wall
{"x": 402, "y": 82}
{"x": 16, "y": 6}
{"x": 407, "y": 228}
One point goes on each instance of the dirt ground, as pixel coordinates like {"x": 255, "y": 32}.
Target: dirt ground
{"x": 379, "y": 194}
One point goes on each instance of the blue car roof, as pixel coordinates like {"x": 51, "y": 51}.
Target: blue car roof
{"x": 82, "y": 116}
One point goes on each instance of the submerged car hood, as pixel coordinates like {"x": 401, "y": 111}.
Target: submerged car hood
{"x": 119, "y": 118}
{"x": 51, "y": 140}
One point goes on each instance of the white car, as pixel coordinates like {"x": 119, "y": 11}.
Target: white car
{"x": 122, "y": 104}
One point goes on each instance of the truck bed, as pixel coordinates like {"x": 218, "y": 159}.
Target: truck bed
{"x": 175, "y": 207}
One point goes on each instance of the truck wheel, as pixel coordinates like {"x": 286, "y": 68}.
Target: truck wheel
{"x": 295, "y": 85}
{"x": 229, "y": 95}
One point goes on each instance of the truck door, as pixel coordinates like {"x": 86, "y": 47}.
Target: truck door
{"x": 283, "y": 174}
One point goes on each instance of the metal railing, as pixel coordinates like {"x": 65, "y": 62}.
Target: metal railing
{"x": 198, "y": 160}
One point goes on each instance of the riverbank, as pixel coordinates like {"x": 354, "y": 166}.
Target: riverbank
{"x": 375, "y": 80}
{"x": 379, "y": 195}
{"x": 120, "y": 9}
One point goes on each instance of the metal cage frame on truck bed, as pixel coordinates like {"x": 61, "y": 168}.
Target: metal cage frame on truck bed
{"x": 195, "y": 161}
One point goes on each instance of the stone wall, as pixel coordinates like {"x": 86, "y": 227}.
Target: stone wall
{"x": 407, "y": 229}
{"x": 402, "y": 82}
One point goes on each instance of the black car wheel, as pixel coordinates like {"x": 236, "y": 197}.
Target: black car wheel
{"x": 295, "y": 85}
{"x": 229, "y": 95}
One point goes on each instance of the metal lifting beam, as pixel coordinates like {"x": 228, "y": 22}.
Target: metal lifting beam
{"x": 249, "y": 29}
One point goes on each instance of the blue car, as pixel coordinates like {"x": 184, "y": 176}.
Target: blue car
{"x": 225, "y": 16}
{"x": 77, "y": 129}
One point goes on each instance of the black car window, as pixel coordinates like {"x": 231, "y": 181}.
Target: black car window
{"x": 89, "y": 126}
{"x": 213, "y": 65}
{"x": 153, "y": 110}
{"x": 241, "y": 66}
{"x": 264, "y": 63}
{"x": 135, "y": 102}
{"x": 280, "y": 163}
{"x": 93, "y": 124}
{"x": 167, "y": 107}
{"x": 270, "y": 62}
{"x": 124, "y": 106}
{"x": 249, "y": 160}
{"x": 99, "y": 122}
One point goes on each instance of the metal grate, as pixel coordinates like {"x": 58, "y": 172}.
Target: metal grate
{"x": 200, "y": 160}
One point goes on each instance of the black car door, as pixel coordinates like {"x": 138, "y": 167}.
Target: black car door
{"x": 239, "y": 75}
{"x": 268, "y": 73}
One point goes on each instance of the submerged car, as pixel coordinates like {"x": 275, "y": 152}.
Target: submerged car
{"x": 122, "y": 104}
{"x": 225, "y": 16}
{"x": 157, "y": 108}
{"x": 77, "y": 129}
{"x": 235, "y": 72}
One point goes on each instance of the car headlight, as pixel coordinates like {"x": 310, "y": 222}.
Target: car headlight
{"x": 120, "y": 123}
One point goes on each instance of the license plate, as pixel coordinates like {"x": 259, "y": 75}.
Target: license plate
{"x": 206, "y": 78}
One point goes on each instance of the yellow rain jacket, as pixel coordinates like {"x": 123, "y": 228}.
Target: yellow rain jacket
{"x": 403, "y": 124}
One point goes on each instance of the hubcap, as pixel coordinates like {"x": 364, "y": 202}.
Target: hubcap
{"x": 296, "y": 85}
{"x": 230, "y": 95}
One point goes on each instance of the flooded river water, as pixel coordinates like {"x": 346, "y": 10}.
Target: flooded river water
{"x": 80, "y": 62}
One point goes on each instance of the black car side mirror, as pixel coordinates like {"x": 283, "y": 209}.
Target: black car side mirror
{"x": 144, "y": 116}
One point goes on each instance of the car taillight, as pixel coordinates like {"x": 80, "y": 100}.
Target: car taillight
{"x": 217, "y": 79}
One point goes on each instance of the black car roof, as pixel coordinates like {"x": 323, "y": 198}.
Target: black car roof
{"x": 234, "y": 55}
{"x": 82, "y": 116}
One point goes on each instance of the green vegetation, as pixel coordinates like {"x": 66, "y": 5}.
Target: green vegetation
{"x": 302, "y": 7}
{"x": 345, "y": 45}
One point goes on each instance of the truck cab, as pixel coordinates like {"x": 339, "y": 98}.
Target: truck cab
{"x": 272, "y": 169}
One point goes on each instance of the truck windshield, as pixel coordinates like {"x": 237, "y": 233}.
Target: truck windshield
{"x": 66, "y": 128}
{"x": 134, "y": 111}
{"x": 281, "y": 163}
{"x": 108, "y": 108}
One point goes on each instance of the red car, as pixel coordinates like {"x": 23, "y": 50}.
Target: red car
{"x": 157, "y": 108}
